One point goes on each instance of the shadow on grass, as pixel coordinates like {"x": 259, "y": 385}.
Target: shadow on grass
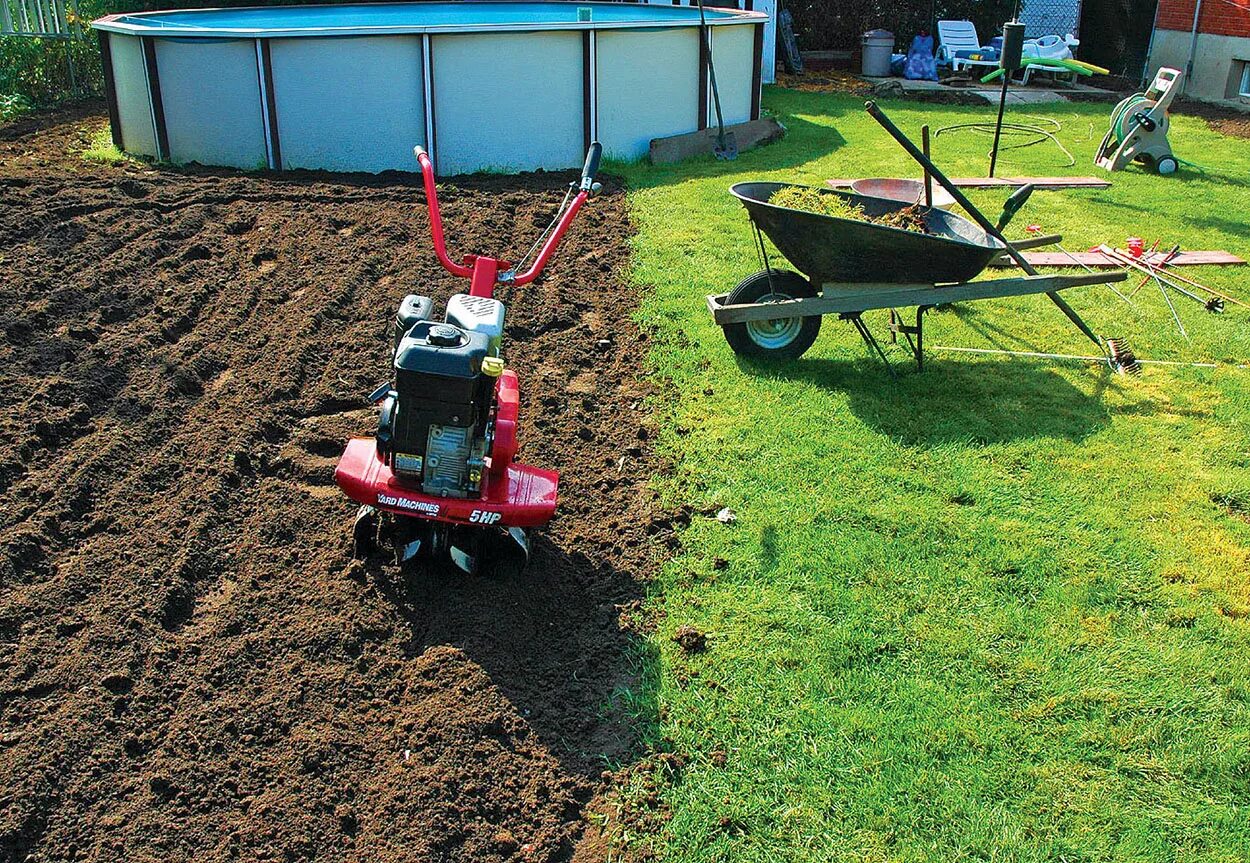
{"x": 969, "y": 402}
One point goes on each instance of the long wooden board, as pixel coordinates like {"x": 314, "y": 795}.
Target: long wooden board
{"x": 1004, "y": 182}
{"x": 1097, "y": 260}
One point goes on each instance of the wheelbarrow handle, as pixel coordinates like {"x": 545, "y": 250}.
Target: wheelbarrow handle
{"x": 1013, "y": 205}
{"x": 877, "y": 114}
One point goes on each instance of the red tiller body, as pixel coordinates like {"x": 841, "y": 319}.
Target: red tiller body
{"x": 511, "y": 494}
{"x": 524, "y": 496}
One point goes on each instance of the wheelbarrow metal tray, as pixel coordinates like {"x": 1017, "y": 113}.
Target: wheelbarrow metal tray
{"x": 829, "y": 249}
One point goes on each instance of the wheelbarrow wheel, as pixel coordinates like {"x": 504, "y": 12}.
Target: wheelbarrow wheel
{"x": 777, "y": 338}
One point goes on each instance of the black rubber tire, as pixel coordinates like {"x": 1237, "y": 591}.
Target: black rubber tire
{"x": 789, "y": 341}
{"x": 1166, "y": 166}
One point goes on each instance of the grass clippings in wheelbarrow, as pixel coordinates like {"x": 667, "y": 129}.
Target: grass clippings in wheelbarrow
{"x": 909, "y": 218}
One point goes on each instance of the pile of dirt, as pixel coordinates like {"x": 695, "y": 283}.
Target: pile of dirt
{"x": 825, "y": 81}
{"x": 1223, "y": 119}
{"x": 191, "y": 664}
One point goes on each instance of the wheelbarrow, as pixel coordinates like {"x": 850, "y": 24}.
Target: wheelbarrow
{"x": 849, "y": 266}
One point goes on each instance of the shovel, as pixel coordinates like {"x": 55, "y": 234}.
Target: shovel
{"x": 726, "y": 146}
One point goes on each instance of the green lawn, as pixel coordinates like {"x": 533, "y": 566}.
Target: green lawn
{"x": 996, "y": 611}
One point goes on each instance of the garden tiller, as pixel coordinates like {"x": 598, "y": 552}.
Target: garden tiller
{"x": 439, "y": 477}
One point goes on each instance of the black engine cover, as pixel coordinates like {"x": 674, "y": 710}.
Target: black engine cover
{"x": 439, "y": 381}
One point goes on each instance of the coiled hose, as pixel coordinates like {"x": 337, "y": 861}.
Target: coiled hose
{"x": 1037, "y": 134}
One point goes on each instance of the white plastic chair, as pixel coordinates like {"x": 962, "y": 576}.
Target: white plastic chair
{"x": 954, "y": 36}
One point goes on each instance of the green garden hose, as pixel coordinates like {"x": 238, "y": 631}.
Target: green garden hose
{"x": 1123, "y": 114}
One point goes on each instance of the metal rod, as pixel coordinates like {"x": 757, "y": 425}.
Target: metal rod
{"x": 877, "y": 114}
{"x": 928, "y": 178}
{"x": 998, "y": 125}
{"x": 1172, "y": 308}
{"x": 1160, "y": 277}
{"x": 1172, "y": 274}
{"x": 1044, "y": 356}
{"x": 1090, "y": 269}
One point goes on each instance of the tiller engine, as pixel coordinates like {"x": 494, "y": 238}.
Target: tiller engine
{"x": 439, "y": 478}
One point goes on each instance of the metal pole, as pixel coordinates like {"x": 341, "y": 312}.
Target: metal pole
{"x": 1193, "y": 47}
{"x": 886, "y": 123}
{"x": 998, "y": 125}
{"x": 928, "y": 178}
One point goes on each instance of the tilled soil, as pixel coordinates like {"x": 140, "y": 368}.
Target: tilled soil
{"x": 192, "y": 666}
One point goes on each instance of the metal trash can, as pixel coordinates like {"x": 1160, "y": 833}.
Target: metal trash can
{"x": 877, "y": 46}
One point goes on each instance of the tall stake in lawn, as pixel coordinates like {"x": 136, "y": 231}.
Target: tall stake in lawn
{"x": 1009, "y": 60}
{"x": 886, "y": 123}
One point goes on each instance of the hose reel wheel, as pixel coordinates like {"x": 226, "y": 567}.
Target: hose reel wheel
{"x": 1123, "y": 120}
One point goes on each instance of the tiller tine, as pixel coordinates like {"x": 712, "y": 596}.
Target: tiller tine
{"x": 408, "y": 550}
{"x": 465, "y": 550}
{"x": 365, "y": 531}
{"x": 520, "y": 542}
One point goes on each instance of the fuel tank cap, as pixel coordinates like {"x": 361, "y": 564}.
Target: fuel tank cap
{"x": 444, "y": 335}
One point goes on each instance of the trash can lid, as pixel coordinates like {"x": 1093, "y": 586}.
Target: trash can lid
{"x": 878, "y": 34}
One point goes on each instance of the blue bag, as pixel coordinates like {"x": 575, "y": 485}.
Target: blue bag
{"x": 920, "y": 65}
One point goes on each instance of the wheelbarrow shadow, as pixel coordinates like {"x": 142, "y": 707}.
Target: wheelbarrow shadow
{"x": 960, "y": 401}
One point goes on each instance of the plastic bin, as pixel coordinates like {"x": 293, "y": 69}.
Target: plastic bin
{"x": 877, "y": 46}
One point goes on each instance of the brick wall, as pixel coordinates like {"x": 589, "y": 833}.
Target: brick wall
{"x": 1218, "y": 17}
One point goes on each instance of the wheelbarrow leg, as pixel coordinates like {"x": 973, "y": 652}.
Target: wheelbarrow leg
{"x": 870, "y": 340}
{"x": 917, "y": 345}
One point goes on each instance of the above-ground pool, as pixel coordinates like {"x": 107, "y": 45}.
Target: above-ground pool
{"x": 481, "y": 85}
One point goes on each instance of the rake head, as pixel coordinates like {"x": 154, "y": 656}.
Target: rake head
{"x": 1122, "y": 358}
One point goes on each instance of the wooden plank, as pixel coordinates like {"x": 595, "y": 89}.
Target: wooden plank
{"x": 842, "y": 298}
{"x": 1097, "y": 260}
{"x": 753, "y": 133}
{"x": 1010, "y": 182}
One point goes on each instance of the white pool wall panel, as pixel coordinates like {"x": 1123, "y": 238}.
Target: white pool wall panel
{"x": 134, "y": 107}
{"x": 224, "y": 123}
{"x": 349, "y": 103}
{"x": 278, "y": 88}
{"x": 733, "y": 52}
{"x": 652, "y": 74}
{"x": 507, "y": 101}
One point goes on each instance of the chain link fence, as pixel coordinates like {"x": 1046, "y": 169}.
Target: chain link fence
{"x": 1116, "y": 35}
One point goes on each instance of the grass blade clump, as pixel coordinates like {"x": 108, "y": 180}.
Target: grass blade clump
{"x": 811, "y": 200}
